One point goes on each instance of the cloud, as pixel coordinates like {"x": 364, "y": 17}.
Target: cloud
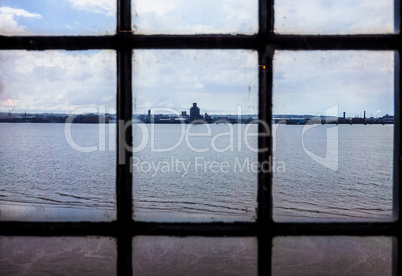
{"x": 309, "y": 82}
{"x": 57, "y": 81}
{"x": 198, "y": 85}
{"x": 334, "y": 16}
{"x": 18, "y": 12}
{"x": 107, "y": 7}
{"x": 218, "y": 80}
{"x": 8, "y": 22}
{"x": 195, "y": 17}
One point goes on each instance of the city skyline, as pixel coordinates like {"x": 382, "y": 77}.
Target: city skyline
{"x": 193, "y": 113}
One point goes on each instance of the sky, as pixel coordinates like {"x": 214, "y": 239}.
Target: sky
{"x": 219, "y": 81}
{"x": 57, "y": 81}
{"x": 62, "y": 17}
{"x": 195, "y": 17}
{"x": 355, "y": 81}
{"x": 334, "y": 16}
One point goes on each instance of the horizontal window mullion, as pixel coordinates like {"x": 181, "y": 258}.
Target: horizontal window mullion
{"x": 280, "y": 42}
{"x": 336, "y": 42}
{"x": 127, "y": 41}
{"x": 276, "y": 229}
{"x": 57, "y": 42}
{"x": 336, "y": 229}
{"x": 17, "y": 228}
{"x": 9, "y": 228}
{"x": 197, "y": 229}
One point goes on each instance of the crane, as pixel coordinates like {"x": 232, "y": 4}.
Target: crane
{"x": 11, "y": 111}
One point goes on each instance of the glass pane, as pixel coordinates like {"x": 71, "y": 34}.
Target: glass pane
{"x": 194, "y": 156}
{"x": 63, "y": 17}
{"x": 333, "y": 134}
{"x": 332, "y": 256}
{"x": 57, "y": 256}
{"x": 52, "y": 169}
{"x": 158, "y": 255}
{"x": 335, "y": 17}
{"x": 195, "y": 17}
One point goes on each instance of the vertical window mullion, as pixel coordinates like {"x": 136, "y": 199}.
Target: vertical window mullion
{"x": 397, "y": 163}
{"x": 266, "y": 17}
{"x": 265, "y": 77}
{"x": 264, "y": 216}
{"x": 124, "y": 141}
{"x": 123, "y": 17}
{"x": 124, "y": 115}
{"x": 124, "y": 255}
{"x": 397, "y": 191}
{"x": 264, "y": 140}
{"x": 397, "y": 113}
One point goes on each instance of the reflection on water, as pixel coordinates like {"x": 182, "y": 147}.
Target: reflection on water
{"x": 158, "y": 255}
{"x": 202, "y": 178}
{"x": 54, "y": 176}
{"x": 359, "y": 190}
{"x": 57, "y": 256}
{"x": 44, "y": 178}
{"x": 332, "y": 256}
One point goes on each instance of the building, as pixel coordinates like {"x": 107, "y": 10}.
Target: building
{"x": 195, "y": 113}
{"x": 208, "y": 118}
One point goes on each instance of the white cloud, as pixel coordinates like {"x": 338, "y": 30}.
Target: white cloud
{"x": 334, "y": 16}
{"x": 55, "y": 81}
{"x": 8, "y": 22}
{"x": 195, "y": 17}
{"x": 218, "y": 80}
{"x": 198, "y": 85}
{"x": 309, "y": 82}
{"x": 107, "y": 7}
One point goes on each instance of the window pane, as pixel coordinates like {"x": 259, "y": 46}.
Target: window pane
{"x": 335, "y": 17}
{"x": 332, "y": 256}
{"x": 57, "y": 256}
{"x": 158, "y": 255}
{"x": 63, "y": 17}
{"x": 333, "y": 134}
{"x": 52, "y": 169}
{"x": 204, "y": 170}
{"x": 195, "y": 17}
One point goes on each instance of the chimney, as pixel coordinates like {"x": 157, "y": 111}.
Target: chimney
{"x": 364, "y": 115}
{"x": 344, "y": 115}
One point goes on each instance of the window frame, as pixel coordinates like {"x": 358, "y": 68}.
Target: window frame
{"x": 124, "y": 228}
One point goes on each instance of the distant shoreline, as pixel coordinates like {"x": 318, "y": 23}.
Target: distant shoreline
{"x": 210, "y": 123}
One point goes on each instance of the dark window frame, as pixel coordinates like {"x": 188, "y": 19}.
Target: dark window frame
{"x": 265, "y": 42}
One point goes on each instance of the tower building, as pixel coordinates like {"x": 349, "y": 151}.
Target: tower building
{"x": 195, "y": 113}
